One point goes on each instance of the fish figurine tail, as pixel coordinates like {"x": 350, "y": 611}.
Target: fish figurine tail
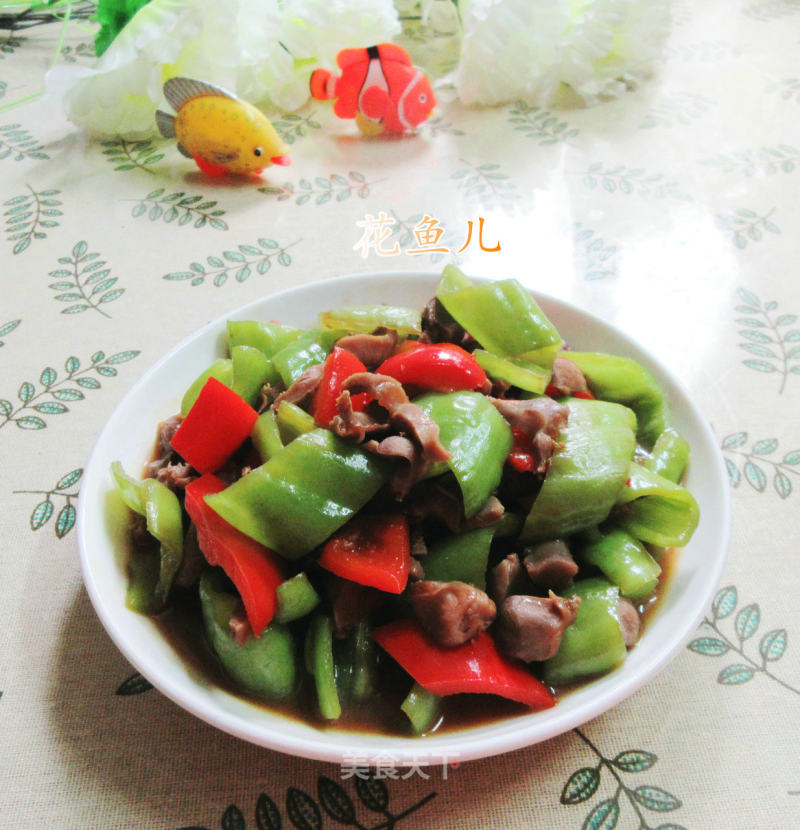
{"x": 321, "y": 83}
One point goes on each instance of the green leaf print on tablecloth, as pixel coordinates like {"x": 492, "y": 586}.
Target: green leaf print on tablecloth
{"x": 132, "y": 155}
{"x": 678, "y": 109}
{"x": 743, "y": 225}
{"x": 27, "y": 215}
{"x": 754, "y": 460}
{"x": 55, "y": 393}
{"x": 44, "y": 509}
{"x": 486, "y": 184}
{"x": 322, "y": 190}
{"x": 769, "y": 337}
{"x": 585, "y": 783}
{"x": 9, "y": 45}
{"x": 238, "y": 264}
{"x": 714, "y": 643}
{"x": 704, "y": 50}
{"x": 291, "y": 126}
{"x": 70, "y": 54}
{"x": 790, "y": 89}
{"x": 766, "y": 11}
{"x": 595, "y": 258}
{"x": 765, "y": 161}
{"x": 438, "y": 126}
{"x": 86, "y": 284}
{"x": 7, "y": 328}
{"x": 136, "y": 684}
{"x": 632, "y": 181}
{"x": 304, "y": 811}
{"x": 17, "y": 143}
{"x": 540, "y": 124}
{"x": 186, "y": 209}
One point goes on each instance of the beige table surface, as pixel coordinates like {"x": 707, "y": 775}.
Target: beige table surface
{"x": 671, "y": 212}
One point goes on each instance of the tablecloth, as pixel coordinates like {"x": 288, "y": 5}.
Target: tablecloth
{"x": 670, "y": 211}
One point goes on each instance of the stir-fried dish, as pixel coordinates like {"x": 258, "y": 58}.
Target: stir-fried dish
{"x": 442, "y": 502}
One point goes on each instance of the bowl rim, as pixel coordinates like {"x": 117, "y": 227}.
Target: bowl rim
{"x": 341, "y": 745}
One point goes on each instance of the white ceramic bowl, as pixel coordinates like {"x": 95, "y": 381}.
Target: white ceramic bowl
{"x": 129, "y": 436}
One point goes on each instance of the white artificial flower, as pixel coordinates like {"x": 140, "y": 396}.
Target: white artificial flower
{"x": 534, "y": 50}
{"x": 262, "y": 50}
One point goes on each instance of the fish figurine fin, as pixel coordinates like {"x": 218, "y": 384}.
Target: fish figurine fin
{"x": 209, "y": 168}
{"x": 373, "y": 102}
{"x": 180, "y": 90}
{"x": 184, "y": 152}
{"x": 319, "y": 84}
{"x": 165, "y": 123}
{"x": 393, "y": 52}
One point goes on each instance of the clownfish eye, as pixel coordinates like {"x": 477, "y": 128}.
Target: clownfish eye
{"x": 258, "y": 152}
{"x": 423, "y": 98}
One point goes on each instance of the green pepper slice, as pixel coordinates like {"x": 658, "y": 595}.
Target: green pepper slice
{"x": 293, "y": 421}
{"x": 296, "y": 597}
{"x": 462, "y": 557}
{"x": 266, "y": 665}
{"x": 504, "y": 318}
{"x": 221, "y": 369}
{"x": 268, "y": 338}
{"x": 593, "y": 644}
{"x": 301, "y": 495}
{"x": 625, "y": 562}
{"x": 320, "y": 664}
{"x": 478, "y": 439}
{"x": 623, "y": 380}
{"x": 655, "y": 509}
{"x": 422, "y": 708}
{"x": 251, "y": 370}
{"x": 265, "y": 435}
{"x": 365, "y": 319}
{"x": 585, "y": 477}
{"x": 149, "y": 586}
{"x": 520, "y": 373}
{"x": 670, "y": 455}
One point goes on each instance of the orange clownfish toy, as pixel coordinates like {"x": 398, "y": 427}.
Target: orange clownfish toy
{"x": 379, "y": 87}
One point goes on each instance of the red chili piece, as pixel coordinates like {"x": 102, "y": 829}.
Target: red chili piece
{"x": 553, "y": 392}
{"x": 439, "y": 367}
{"x": 522, "y": 457}
{"x": 255, "y": 570}
{"x": 372, "y": 550}
{"x": 214, "y": 428}
{"x": 339, "y": 365}
{"x": 476, "y": 666}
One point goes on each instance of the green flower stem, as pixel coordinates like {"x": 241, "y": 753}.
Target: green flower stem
{"x": 740, "y": 651}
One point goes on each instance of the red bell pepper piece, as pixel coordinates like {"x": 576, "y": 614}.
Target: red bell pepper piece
{"x": 522, "y": 457}
{"x": 553, "y": 392}
{"x": 255, "y": 570}
{"x": 339, "y": 365}
{"x": 439, "y": 367}
{"x": 476, "y": 666}
{"x": 372, "y": 550}
{"x": 214, "y": 428}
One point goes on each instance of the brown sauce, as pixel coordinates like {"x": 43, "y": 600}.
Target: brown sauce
{"x": 181, "y": 625}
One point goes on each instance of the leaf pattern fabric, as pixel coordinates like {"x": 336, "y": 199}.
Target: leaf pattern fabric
{"x": 670, "y": 212}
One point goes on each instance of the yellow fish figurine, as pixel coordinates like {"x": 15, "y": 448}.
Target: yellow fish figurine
{"x": 222, "y": 133}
